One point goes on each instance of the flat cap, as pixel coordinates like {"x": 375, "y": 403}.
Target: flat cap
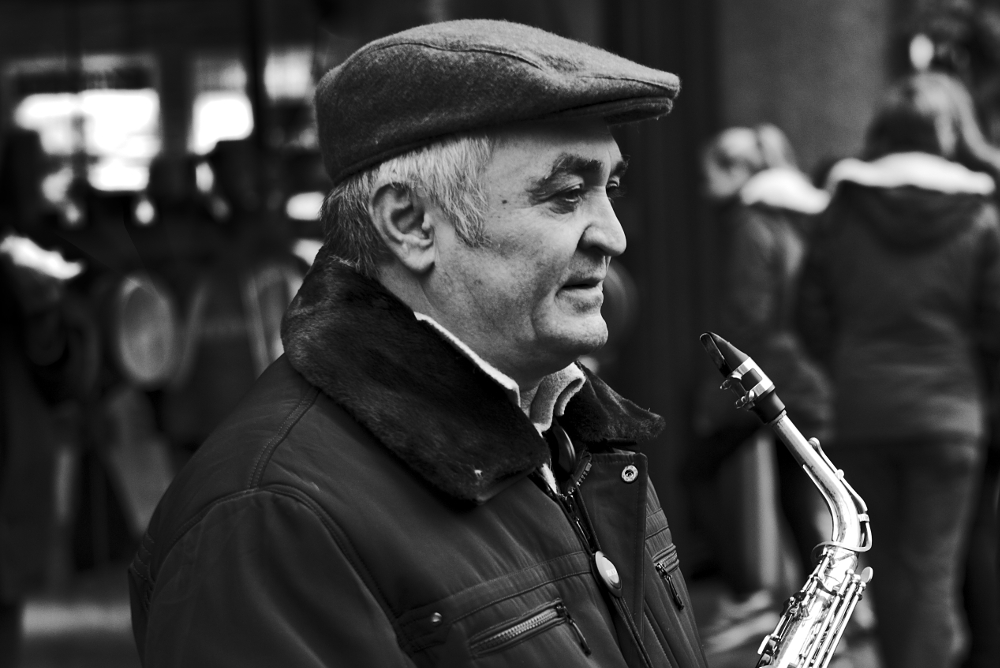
{"x": 409, "y": 89}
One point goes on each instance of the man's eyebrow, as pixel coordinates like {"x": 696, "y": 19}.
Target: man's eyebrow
{"x": 575, "y": 165}
{"x": 620, "y": 167}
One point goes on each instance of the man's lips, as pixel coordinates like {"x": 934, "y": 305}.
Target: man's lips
{"x": 583, "y": 294}
{"x": 583, "y": 283}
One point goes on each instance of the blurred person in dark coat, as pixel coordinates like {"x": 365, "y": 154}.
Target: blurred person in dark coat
{"x": 981, "y": 587}
{"x": 37, "y": 369}
{"x": 233, "y": 295}
{"x": 901, "y": 300}
{"x": 765, "y": 206}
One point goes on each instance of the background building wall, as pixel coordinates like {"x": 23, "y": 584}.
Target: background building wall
{"x": 812, "y": 67}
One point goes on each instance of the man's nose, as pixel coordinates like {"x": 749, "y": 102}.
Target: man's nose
{"x": 604, "y": 231}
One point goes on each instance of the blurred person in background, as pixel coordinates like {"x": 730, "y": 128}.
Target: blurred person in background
{"x": 962, "y": 38}
{"x": 233, "y": 295}
{"x": 764, "y": 206}
{"x": 981, "y": 585}
{"x": 38, "y": 368}
{"x": 900, "y": 298}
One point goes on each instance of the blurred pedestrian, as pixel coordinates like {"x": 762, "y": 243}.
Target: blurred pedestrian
{"x": 765, "y": 206}
{"x": 981, "y": 585}
{"x": 233, "y": 295}
{"x": 37, "y": 369}
{"x": 901, "y": 299}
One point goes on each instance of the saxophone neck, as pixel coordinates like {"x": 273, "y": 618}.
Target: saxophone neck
{"x": 757, "y": 393}
{"x": 851, "y": 528}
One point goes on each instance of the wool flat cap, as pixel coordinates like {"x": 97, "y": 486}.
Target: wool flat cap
{"x": 409, "y": 89}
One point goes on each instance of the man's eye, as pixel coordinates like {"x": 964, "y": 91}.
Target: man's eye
{"x": 571, "y": 195}
{"x": 567, "y": 200}
{"x": 614, "y": 191}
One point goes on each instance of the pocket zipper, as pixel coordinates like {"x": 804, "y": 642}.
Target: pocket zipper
{"x": 535, "y": 622}
{"x": 661, "y": 568}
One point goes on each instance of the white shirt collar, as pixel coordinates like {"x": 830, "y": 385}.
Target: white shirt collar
{"x": 552, "y": 395}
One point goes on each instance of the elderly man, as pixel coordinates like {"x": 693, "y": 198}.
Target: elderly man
{"x": 427, "y": 477}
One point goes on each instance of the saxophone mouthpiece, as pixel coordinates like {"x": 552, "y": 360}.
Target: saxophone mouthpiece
{"x": 725, "y": 355}
{"x": 744, "y": 377}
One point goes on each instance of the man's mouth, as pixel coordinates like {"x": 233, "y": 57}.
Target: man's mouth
{"x": 584, "y": 283}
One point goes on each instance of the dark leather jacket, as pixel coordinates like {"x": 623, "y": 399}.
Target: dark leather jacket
{"x": 371, "y": 503}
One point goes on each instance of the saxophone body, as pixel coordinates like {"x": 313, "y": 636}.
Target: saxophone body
{"x": 815, "y": 617}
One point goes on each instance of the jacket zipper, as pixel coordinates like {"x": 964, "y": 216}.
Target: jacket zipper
{"x": 568, "y": 501}
{"x": 551, "y": 615}
{"x": 661, "y": 568}
{"x": 583, "y": 476}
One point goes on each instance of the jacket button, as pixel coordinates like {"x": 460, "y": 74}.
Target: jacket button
{"x": 436, "y": 618}
{"x": 630, "y": 473}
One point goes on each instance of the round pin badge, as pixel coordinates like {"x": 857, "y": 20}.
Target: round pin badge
{"x": 608, "y": 573}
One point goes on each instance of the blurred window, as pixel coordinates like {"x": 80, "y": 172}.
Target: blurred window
{"x": 219, "y": 115}
{"x": 304, "y": 205}
{"x": 113, "y": 121}
{"x": 307, "y": 249}
{"x": 288, "y": 74}
{"x": 221, "y": 106}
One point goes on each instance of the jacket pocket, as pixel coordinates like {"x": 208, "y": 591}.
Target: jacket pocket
{"x": 668, "y": 569}
{"x": 669, "y": 613}
{"x": 528, "y": 625}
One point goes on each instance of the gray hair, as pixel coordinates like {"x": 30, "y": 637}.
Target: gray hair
{"x": 448, "y": 171}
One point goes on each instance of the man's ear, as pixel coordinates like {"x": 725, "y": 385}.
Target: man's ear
{"x": 400, "y": 216}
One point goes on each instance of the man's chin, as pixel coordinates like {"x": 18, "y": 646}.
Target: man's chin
{"x": 578, "y": 342}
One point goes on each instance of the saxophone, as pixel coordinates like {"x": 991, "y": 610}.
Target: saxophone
{"x": 815, "y": 617}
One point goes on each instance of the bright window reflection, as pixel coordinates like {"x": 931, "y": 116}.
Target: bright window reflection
{"x": 288, "y": 74}
{"x": 220, "y": 115}
{"x": 114, "y": 174}
{"x": 304, "y": 206}
{"x": 119, "y": 128}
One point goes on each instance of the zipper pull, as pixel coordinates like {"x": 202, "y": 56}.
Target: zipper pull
{"x": 563, "y": 612}
{"x": 662, "y": 570}
{"x": 576, "y": 481}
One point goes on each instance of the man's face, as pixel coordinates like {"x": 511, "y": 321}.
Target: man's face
{"x": 529, "y": 300}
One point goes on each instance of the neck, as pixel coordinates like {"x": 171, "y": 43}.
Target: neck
{"x": 412, "y": 292}
{"x": 400, "y": 282}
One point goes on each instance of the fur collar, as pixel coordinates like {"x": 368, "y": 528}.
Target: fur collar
{"x": 784, "y": 188}
{"x": 918, "y": 170}
{"x": 424, "y": 400}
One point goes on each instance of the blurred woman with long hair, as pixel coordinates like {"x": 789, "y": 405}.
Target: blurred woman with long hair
{"x": 901, "y": 300}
